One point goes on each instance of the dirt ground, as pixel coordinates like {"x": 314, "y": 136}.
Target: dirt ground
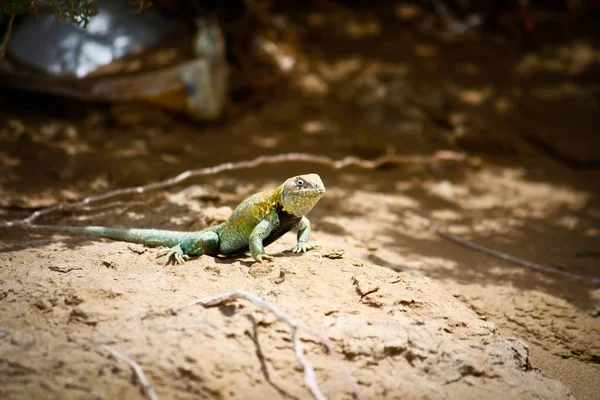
{"x": 411, "y": 314}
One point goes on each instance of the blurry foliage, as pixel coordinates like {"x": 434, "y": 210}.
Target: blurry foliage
{"x": 78, "y": 11}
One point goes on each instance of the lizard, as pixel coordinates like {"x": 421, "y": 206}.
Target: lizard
{"x": 256, "y": 222}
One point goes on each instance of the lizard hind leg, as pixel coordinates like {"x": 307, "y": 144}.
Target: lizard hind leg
{"x": 174, "y": 255}
{"x": 199, "y": 243}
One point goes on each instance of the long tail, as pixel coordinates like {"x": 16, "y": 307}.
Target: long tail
{"x": 150, "y": 237}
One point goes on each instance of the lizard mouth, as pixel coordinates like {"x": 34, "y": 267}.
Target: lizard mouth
{"x": 312, "y": 192}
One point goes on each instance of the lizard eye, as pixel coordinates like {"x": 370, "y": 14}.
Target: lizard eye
{"x": 300, "y": 182}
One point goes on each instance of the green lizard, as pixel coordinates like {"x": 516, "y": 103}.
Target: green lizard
{"x": 256, "y": 222}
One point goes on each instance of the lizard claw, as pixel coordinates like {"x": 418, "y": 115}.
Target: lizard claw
{"x": 174, "y": 255}
{"x": 180, "y": 259}
{"x": 301, "y": 248}
{"x": 261, "y": 257}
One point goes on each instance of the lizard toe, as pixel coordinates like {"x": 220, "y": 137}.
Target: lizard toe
{"x": 162, "y": 253}
{"x": 301, "y": 248}
{"x": 170, "y": 260}
{"x": 263, "y": 257}
{"x": 180, "y": 258}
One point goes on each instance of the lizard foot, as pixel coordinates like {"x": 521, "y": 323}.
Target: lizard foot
{"x": 174, "y": 255}
{"x": 301, "y": 248}
{"x": 262, "y": 257}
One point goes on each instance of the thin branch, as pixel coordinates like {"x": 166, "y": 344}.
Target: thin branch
{"x": 142, "y": 6}
{"x": 136, "y": 368}
{"x": 262, "y": 160}
{"x": 309, "y": 372}
{"x": 310, "y": 379}
{"x": 7, "y": 36}
{"x": 498, "y": 254}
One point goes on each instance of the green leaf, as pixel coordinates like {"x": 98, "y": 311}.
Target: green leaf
{"x": 78, "y": 11}
{"x": 10, "y": 7}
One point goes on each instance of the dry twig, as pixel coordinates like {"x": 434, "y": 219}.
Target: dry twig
{"x": 7, "y": 36}
{"x": 135, "y": 367}
{"x": 498, "y": 254}
{"x": 273, "y": 159}
{"x": 309, "y": 372}
{"x": 142, "y": 6}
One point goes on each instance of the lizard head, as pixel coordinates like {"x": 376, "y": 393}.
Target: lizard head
{"x": 299, "y": 194}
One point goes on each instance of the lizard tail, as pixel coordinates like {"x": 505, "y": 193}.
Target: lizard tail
{"x": 150, "y": 237}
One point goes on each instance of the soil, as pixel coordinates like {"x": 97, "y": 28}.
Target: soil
{"x": 411, "y": 314}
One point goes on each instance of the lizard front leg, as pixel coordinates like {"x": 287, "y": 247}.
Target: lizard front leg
{"x": 303, "y": 235}
{"x": 255, "y": 241}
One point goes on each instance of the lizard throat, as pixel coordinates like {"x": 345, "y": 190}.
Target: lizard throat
{"x": 301, "y": 202}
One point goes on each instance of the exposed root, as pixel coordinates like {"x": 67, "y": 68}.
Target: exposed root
{"x": 143, "y": 5}
{"x": 309, "y": 372}
{"x": 273, "y": 159}
{"x": 6, "y": 36}
{"x": 498, "y": 254}
{"x": 134, "y": 366}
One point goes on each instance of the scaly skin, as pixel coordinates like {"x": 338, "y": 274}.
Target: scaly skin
{"x": 256, "y": 222}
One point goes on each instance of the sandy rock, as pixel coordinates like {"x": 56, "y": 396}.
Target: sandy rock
{"x": 401, "y": 337}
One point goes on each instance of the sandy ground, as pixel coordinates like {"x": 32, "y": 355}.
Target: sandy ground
{"x": 411, "y": 314}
